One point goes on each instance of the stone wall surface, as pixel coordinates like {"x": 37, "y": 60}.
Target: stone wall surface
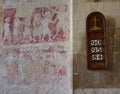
{"x": 82, "y": 77}
{"x": 97, "y": 91}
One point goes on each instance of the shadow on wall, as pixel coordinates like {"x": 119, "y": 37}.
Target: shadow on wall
{"x": 76, "y": 70}
{"x": 110, "y": 33}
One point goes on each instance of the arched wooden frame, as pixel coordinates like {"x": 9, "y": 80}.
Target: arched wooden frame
{"x": 96, "y": 41}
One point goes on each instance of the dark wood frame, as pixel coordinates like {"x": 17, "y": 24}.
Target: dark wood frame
{"x": 96, "y": 32}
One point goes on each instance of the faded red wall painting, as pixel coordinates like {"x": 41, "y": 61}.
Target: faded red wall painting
{"x": 34, "y": 53}
{"x": 48, "y": 24}
{"x": 37, "y": 66}
{"x": 8, "y": 24}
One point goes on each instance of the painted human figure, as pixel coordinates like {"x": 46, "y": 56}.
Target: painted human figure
{"x": 46, "y": 68}
{"x": 21, "y": 30}
{"x": 10, "y": 65}
{"x": 6, "y": 30}
{"x": 27, "y": 35}
{"x": 37, "y": 25}
{"x": 21, "y": 61}
{"x": 3, "y": 69}
{"x": 16, "y": 29}
{"x": 62, "y": 21}
{"x": 45, "y": 25}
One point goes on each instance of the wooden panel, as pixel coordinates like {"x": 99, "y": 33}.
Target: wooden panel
{"x": 96, "y": 41}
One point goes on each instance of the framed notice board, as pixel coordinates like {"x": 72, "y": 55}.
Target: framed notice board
{"x": 96, "y": 41}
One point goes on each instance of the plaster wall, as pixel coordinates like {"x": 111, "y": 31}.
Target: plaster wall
{"x": 35, "y": 47}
